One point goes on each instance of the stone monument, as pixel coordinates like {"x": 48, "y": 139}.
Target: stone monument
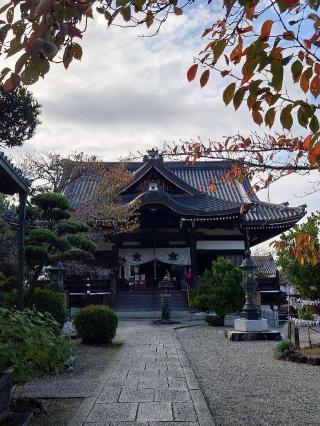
{"x": 250, "y": 325}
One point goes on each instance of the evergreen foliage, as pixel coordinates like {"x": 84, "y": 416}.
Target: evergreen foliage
{"x": 219, "y": 290}
{"x": 44, "y": 301}
{"x": 303, "y": 276}
{"x": 96, "y": 324}
{"x": 19, "y": 112}
{"x": 58, "y": 239}
{"x": 30, "y": 344}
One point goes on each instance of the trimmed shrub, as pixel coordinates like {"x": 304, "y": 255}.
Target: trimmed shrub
{"x": 283, "y": 346}
{"x": 215, "y": 321}
{"x": 30, "y": 344}
{"x": 96, "y": 324}
{"x": 219, "y": 290}
{"x": 43, "y": 300}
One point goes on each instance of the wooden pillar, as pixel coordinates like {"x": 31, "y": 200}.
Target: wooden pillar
{"x": 193, "y": 255}
{"x": 21, "y": 251}
{"x": 115, "y": 259}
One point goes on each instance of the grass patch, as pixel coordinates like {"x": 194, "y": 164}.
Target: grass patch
{"x": 115, "y": 346}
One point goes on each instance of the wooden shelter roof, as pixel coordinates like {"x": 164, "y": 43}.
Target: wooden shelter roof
{"x": 12, "y": 181}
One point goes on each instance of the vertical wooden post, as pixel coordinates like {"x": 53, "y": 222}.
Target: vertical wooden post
{"x": 193, "y": 255}
{"x": 296, "y": 337}
{"x": 115, "y": 260}
{"x": 21, "y": 251}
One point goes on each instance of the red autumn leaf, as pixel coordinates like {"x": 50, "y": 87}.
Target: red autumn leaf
{"x": 192, "y": 71}
{"x": 73, "y": 31}
{"x": 266, "y": 30}
{"x": 315, "y": 86}
{"x": 235, "y": 55}
{"x": 260, "y": 157}
{"x": 204, "y": 78}
{"x": 225, "y": 72}
{"x": 8, "y": 85}
{"x": 257, "y": 118}
{"x": 250, "y": 12}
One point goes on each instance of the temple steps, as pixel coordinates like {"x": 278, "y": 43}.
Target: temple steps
{"x": 149, "y": 301}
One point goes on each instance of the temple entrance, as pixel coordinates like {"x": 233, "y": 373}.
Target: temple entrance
{"x": 146, "y": 275}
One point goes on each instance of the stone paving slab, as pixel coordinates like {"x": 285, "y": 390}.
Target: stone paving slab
{"x": 152, "y": 384}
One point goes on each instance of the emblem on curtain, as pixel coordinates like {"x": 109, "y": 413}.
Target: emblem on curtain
{"x": 136, "y": 257}
{"x": 173, "y": 256}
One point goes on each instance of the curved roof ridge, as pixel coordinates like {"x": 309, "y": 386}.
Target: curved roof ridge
{"x": 165, "y": 172}
{"x": 160, "y": 196}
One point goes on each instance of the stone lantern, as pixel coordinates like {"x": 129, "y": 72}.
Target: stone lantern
{"x": 250, "y": 325}
{"x": 56, "y": 273}
{"x": 250, "y": 310}
{"x": 165, "y": 286}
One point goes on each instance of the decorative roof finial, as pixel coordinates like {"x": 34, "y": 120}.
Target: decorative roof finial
{"x": 152, "y": 154}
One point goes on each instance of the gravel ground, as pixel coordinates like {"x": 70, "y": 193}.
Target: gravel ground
{"x": 245, "y": 385}
{"x": 58, "y": 412}
{"x": 82, "y": 382}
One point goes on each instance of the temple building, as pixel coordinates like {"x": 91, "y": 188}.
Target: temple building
{"x": 184, "y": 225}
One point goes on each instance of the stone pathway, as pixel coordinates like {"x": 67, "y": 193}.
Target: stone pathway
{"x": 152, "y": 384}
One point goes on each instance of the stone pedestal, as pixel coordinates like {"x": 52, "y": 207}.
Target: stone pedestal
{"x": 165, "y": 307}
{"x": 242, "y": 324}
{"x": 252, "y": 330}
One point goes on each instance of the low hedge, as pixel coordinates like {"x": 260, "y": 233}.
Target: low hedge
{"x": 96, "y": 324}
{"x": 43, "y": 300}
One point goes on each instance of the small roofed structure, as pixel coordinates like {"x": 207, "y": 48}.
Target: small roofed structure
{"x": 268, "y": 279}
{"x": 13, "y": 182}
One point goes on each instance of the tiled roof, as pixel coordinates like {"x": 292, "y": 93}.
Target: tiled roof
{"x": 193, "y": 179}
{"x": 198, "y": 205}
{"x": 266, "y": 266}
{"x": 12, "y": 179}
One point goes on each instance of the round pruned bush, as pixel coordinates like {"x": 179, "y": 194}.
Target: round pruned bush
{"x": 43, "y": 300}
{"x": 96, "y": 324}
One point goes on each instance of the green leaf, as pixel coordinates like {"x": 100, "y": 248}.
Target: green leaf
{"x": 296, "y": 70}
{"x": 5, "y": 7}
{"x": 314, "y": 124}
{"x": 29, "y": 75}
{"x": 68, "y": 56}
{"x": 302, "y": 116}
{"x": 218, "y": 48}
{"x": 269, "y": 117}
{"x": 228, "y": 93}
{"x": 139, "y": 3}
{"x": 77, "y": 51}
{"x": 286, "y": 117}
{"x": 277, "y": 75}
{"x": 126, "y": 13}
{"x": 238, "y": 97}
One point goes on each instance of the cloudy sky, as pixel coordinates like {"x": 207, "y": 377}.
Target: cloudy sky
{"x": 130, "y": 93}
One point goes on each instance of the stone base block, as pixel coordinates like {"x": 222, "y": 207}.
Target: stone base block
{"x": 242, "y": 324}
{"x": 238, "y": 336}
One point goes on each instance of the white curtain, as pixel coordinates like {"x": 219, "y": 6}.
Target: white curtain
{"x": 175, "y": 256}
{"x": 172, "y": 255}
{"x": 136, "y": 256}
